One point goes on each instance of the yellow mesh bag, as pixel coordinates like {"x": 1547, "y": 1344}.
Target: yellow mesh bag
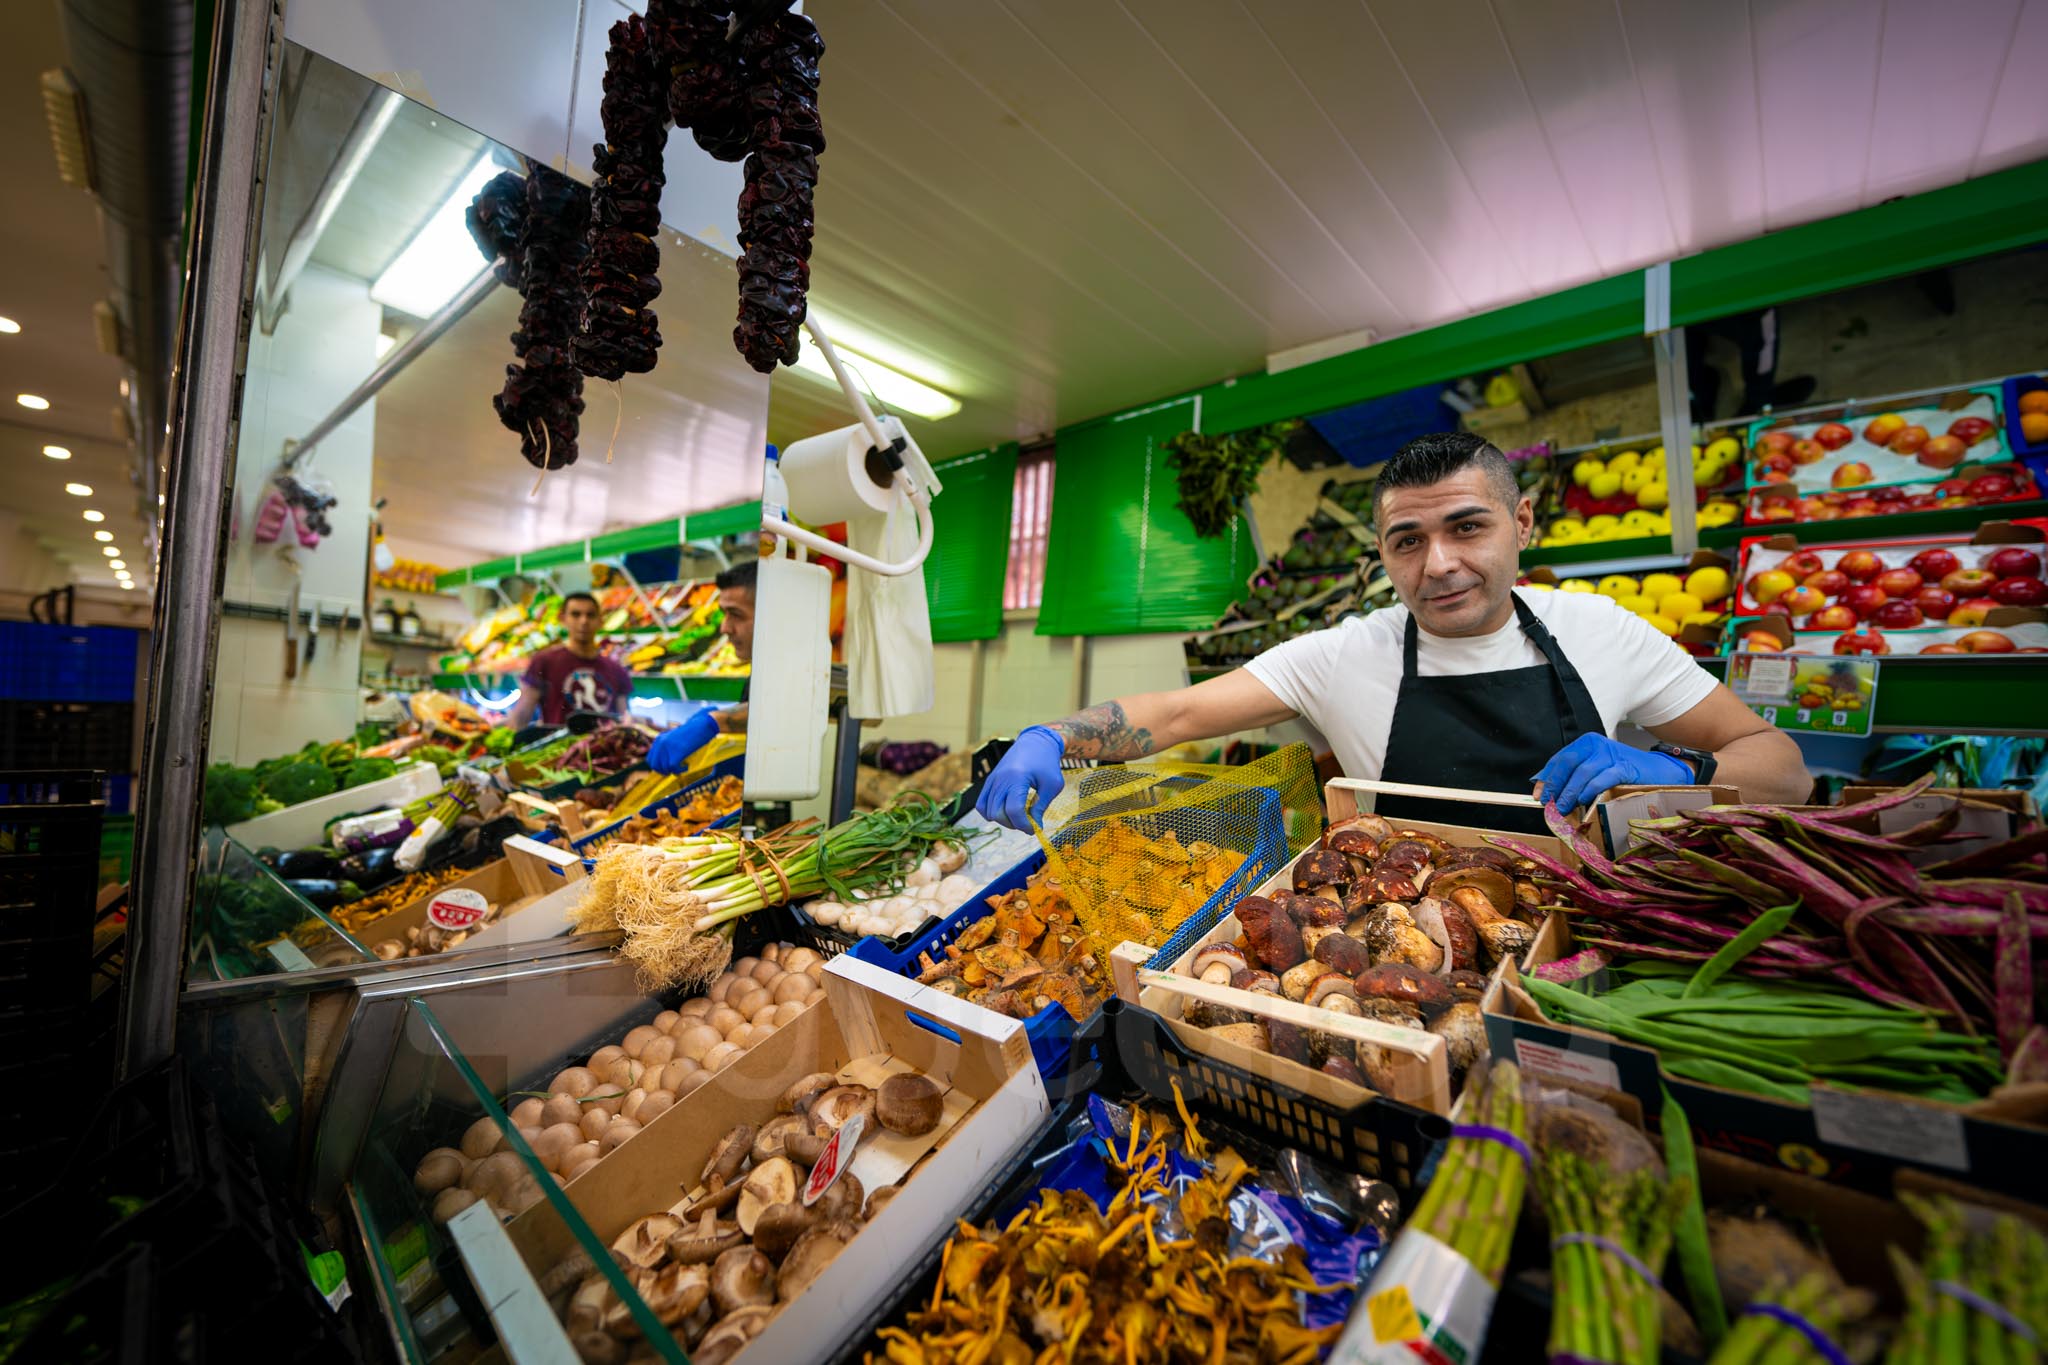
{"x": 1155, "y": 853}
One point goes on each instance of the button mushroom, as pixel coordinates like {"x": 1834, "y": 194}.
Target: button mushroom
{"x": 774, "y": 1181}
{"x": 909, "y": 1104}
{"x": 437, "y": 1171}
{"x": 742, "y": 1278}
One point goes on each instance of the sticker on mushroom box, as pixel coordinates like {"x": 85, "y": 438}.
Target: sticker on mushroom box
{"x": 457, "y": 908}
{"x": 846, "y": 1140}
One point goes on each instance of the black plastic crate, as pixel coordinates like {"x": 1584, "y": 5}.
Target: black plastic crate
{"x": 44, "y": 734}
{"x": 49, "y": 878}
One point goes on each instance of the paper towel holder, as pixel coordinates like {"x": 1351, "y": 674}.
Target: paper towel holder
{"x": 890, "y": 447}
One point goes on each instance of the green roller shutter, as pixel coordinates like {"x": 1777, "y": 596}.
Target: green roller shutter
{"x": 963, "y": 577}
{"x": 1121, "y": 557}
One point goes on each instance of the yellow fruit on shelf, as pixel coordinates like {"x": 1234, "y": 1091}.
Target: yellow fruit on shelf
{"x": 1585, "y": 471}
{"x": 1575, "y": 585}
{"x": 1663, "y": 523}
{"x": 1697, "y": 452}
{"x": 1603, "y": 524}
{"x": 1642, "y": 476}
{"x": 1655, "y": 496}
{"x": 1625, "y": 461}
{"x": 1662, "y": 585}
{"x": 1541, "y": 587}
{"x": 1724, "y": 448}
{"x": 1678, "y": 605}
{"x": 1702, "y": 618}
{"x": 1618, "y": 586}
{"x": 1709, "y": 584}
{"x": 1604, "y": 485}
{"x": 1637, "y": 603}
{"x": 1667, "y": 626}
{"x": 1654, "y": 455}
{"x": 1568, "y": 530}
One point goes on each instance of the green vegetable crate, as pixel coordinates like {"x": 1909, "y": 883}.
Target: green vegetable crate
{"x": 1859, "y": 1139}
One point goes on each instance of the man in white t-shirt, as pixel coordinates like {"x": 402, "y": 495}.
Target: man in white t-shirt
{"x": 1468, "y": 684}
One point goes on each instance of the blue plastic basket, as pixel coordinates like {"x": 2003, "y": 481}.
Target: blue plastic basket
{"x": 2033, "y": 453}
{"x": 593, "y": 843}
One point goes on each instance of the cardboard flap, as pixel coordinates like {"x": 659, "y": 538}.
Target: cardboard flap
{"x": 881, "y": 1012}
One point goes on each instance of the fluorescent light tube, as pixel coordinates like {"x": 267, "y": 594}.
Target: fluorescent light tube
{"x": 441, "y": 257}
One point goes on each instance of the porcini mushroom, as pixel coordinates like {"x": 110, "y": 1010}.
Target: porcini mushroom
{"x": 909, "y": 1104}
{"x": 1216, "y": 962}
{"x": 1295, "y": 981}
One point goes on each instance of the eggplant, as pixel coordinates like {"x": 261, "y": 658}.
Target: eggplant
{"x": 371, "y": 868}
{"x": 307, "y": 862}
{"x": 324, "y": 893}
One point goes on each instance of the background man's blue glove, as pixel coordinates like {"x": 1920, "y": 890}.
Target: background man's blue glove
{"x": 672, "y": 748}
{"x": 1590, "y": 764}
{"x": 1033, "y": 764}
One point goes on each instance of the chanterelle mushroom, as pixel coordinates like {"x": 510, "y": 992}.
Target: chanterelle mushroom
{"x": 645, "y": 1244}
{"x": 772, "y": 1182}
{"x": 742, "y": 1278}
{"x": 910, "y": 1104}
{"x": 704, "y": 1240}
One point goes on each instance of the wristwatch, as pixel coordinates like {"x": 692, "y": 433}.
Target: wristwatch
{"x": 1701, "y": 761}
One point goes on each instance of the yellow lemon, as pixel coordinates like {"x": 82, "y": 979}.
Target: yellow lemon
{"x": 1625, "y": 461}
{"x": 1575, "y": 585}
{"x": 1655, "y": 456}
{"x": 1709, "y": 584}
{"x": 1678, "y": 605}
{"x": 1567, "y": 530}
{"x": 1584, "y": 471}
{"x": 1662, "y": 585}
{"x": 1640, "y": 477}
{"x": 1618, "y": 586}
{"x": 1541, "y": 587}
{"x": 1637, "y": 603}
{"x": 1655, "y": 496}
{"x": 1701, "y": 618}
{"x": 1663, "y": 522}
{"x": 1602, "y": 527}
{"x": 1604, "y": 485}
{"x": 1724, "y": 448}
{"x": 1662, "y": 624}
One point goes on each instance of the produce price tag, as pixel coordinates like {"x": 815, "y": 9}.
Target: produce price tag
{"x": 1891, "y": 1127}
{"x": 291, "y": 956}
{"x": 457, "y": 908}
{"x": 1425, "y": 1303}
{"x": 829, "y": 1165}
{"x": 1834, "y": 696}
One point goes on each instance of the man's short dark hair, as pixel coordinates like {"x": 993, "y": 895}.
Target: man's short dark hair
{"x": 740, "y": 575}
{"x": 1435, "y": 457}
{"x": 591, "y": 598}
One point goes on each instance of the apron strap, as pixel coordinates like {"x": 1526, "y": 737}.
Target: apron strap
{"x": 1585, "y": 716}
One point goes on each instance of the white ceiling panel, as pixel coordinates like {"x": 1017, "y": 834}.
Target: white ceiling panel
{"x": 1818, "y": 73}
{"x": 1694, "y": 65}
{"x": 1934, "y": 94}
{"x": 2016, "y": 126}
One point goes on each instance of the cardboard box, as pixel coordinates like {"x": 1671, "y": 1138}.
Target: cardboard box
{"x": 1989, "y": 815}
{"x": 1857, "y": 1138}
{"x": 870, "y": 1022}
{"x": 548, "y": 899}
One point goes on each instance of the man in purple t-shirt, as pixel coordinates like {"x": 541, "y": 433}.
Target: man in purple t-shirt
{"x": 572, "y": 676}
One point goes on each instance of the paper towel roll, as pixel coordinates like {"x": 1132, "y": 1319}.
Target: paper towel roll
{"x": 828, "y": 478}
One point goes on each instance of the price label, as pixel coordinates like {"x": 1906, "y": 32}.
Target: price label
{"x": 830, "y": 1162}
{"x": 457, "y": 908}
{"x": 1833, "y": 696}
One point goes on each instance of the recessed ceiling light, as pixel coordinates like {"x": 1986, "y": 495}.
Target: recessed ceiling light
{"x": 120, "y": 564}
{"x": 441, "y": 257}
{"x": 159, "y": 500}
{"x": 91, "y": 515}
{"x": 33, "y": 402}
{"x": 128, "y": 585}
{"x": 9, "y": 326}
{"x": 78, "y": 490}
{"x": 110, "y": 552}
{"x": 57, "y": 452}
{"x": 103, "y": 535}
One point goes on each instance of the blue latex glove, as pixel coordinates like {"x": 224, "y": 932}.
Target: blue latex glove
{"x": 1033, "y": 764}
{"x": 673, "y": 748}
{"x": 1579, "y": 772}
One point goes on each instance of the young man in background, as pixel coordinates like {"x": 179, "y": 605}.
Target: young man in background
{"x": 574, "y": 676}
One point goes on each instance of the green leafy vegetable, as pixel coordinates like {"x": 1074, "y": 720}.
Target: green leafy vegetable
{"x": 298, "y": 782}
{"x": 1217, "y": 473}
{"x": 364, "y": 770}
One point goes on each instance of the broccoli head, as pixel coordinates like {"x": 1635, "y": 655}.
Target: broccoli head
{"x": 296, "y": 782}
{"x": 230, "y": 794}
{"x": 367, "y": 770}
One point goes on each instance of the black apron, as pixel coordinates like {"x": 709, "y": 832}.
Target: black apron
{"x": 1483, "y": 732}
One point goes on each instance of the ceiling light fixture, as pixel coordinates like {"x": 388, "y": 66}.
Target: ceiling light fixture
{"x": 8, "y": 326}
{"x": 441, "y": 257}
{"x": 57, "y": 452}
{"x": 120, "y": 564}
{"x": 78, "y": 490}
{"x": 128, "y": 585}
{"x": 64, "y": 112}
{"x": 103, "y": 535}
{"x": 110, "y": 552}
{"x": 91, "y": 515}
{"x": 34, "y": 402}
{"x": 892, "y": 388}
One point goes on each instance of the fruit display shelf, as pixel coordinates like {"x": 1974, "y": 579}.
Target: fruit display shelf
{"x": 664, "y": 686}
{"x": 1954, "y": 694}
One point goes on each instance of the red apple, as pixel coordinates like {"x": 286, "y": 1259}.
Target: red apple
{"x": 1897, "y": 614}
{"x": 1943, "y": 452}
{"x": 1830, "y": 581}
{"x": 1991, "y": 487}
{"x": 2012, "y": 592}
{"x": 1889, "y": 494}
{"x": 1868, "y": 640}
{"x": 1802, "y": 564}
{"x": 1774, "y": 476}
{"x": 2013, "y": 562}
{"x": 1934, "y": 565}
{"x": 1824, "y": 512}
{"x": 1969, "y": 582}
{"x": 1808, "y": 451}
{"x": 1863, "y": 599}
{"x": 1862, "y": 507}
{"x": 1899, "y": 582}
{"x": 1970, "y": 430}
{"x": 1778, "y": 511}
{"x": 1862, "y": 566}
{"x": 1921, "y": 502}
{"x": 1907, "y": 440}
{"x": 1850, "y": 475}
{"x": 1802, "y": 600}
{"x": 1986, "y": 642}
{"x": 1935, "y": 603}
{"x": 1775, "y": 441}
{"x": 1950, "y": 488}
{"x": 1882, "y": 429}
{"x": 1942, "y": 649}
{"x": 1972, "y": 612}
{"x": 1835, "y": 616}
{"x": 1833, "y": 435}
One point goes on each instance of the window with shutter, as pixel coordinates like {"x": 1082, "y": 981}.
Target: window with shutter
{"x": 964, "y": 574}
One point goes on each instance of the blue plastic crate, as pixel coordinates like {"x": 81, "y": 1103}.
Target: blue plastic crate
{"x": 42, "y": 662}
{"x": 2034, "y": 454}
{"x": 593, "y": 843}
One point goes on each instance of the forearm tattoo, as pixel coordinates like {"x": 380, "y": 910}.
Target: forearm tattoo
{"x": 1103, "y": 732}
